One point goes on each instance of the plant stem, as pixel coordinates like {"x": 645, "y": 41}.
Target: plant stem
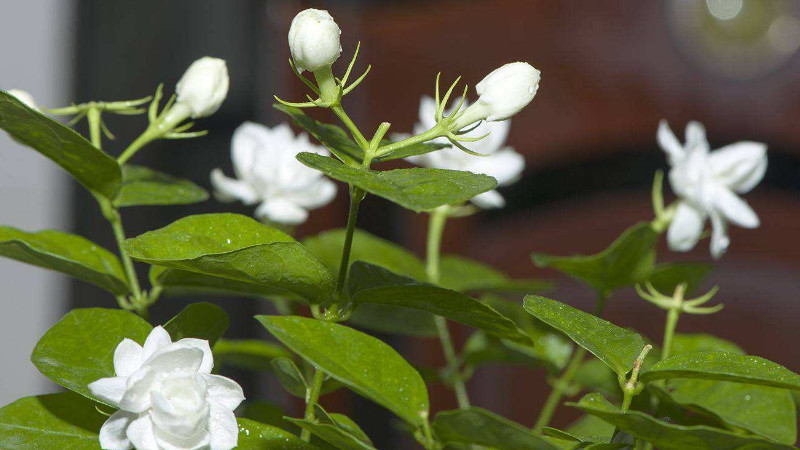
{"x": 433, "y": 133}
{"x": 436, "y": 224}
{"x": 348, "y": 122}
{"x": 356, "y": 195}
{"x": 312, "y": 396}
{"x": 140, "y": 142}
{"x": 93, "y": 117}
{"x": 561, "y": 384}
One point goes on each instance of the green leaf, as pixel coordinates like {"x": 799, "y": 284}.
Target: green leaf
{"x": 182, "y": 283}
{"x": 410, "y": 150}
{"x": 666, "y": 277}
{"x": 689, "y": 343}
{"x": 594, "y": 375}
{"x": 466, "y": 275}
{"x": 478, "y": 426}
{"x": 252, "y": 354}
{"x": 336, "y": 429}
{"x": 723, "y": 366}
{"x": 627, "y": 261}
{"x": 266, "y": 413}
{"x": 615, "y": 346}
{"x": 201, "y": 320}
{"x": 66, "y": 253}
{"x": 590, "y": 425}
{"x": 667, "y": 436}
{"x": 95, "y": 170}
{"x": 290, "y": 377}
{"x": 368, "y": 248}
{"x": 144, "y": 186}
{"x": 332, "y": 137}
{"x": 79, "y": 349}
{"x": 394, "y": 320}
{"x": 482, "y": 349}
{"x": 258, "y": 436}
{"x": 376, "y": 285}
{"x": 236, "y": 247}
{"x": 359, "y": 361}
{"x": 56, "y": 421}
{"x": 415, "y": 189}
{"x": 567, "y": 436}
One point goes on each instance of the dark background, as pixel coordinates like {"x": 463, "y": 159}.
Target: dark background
{"x": 610, "y": 72}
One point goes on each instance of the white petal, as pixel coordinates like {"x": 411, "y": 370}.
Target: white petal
{"x": 282, "y": 211}
{"x": 110, "y": 390}
{"x": 427, "y": 111}
{"x": 175, "y": 359}
{"x": 247, "y": 140}
{"x": 229, "y": 190}
{"x": 719, "y": 236}
{"x": 178, "y": 357}
{"x": 141, "y": 434}
{"x": 202, "y": 345}
{"x": 669, "y": 143}
{"x": 224, "y": 391}
{"x": 740, "y": 166}
{"x": 686, "y": 228}
{"x": 316, "y": 195}
{"x": 127, "y": 358}
{"x": 506, "y": 165}
{"x": 489, "y": 200}
{"x": 223, "y": 428}
{"x": 113, "y": 432}
{"x": 156, "y": 340}
{"x": 696, "y": 137}
{"x": 734, "y": 209}
{"x": 137, "y": 391}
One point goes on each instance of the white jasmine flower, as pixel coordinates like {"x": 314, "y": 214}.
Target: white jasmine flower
{"x": 268, "y": 173}
{"x": 502, "y": 162}
{"x": 314, "y": 40}
{"x": 503, "y": 93}
{"x": 24, "y": 96}
{"x": 707, "y": 183}
{"x": 167, "y": 397}
{"x": 202, "y": 89}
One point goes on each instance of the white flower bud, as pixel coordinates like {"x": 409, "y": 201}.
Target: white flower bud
{"x": 314, "y": 40}
{"x": 507, "y": 90}
{"x": 24, "y": 97}
{"x": 203, "y": 86}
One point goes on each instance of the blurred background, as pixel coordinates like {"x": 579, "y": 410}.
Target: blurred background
{"x": 610, "y": 72}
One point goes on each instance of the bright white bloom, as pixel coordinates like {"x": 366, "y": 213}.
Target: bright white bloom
{"x": 503, "y": 93}
{"x": 167, "y": 397}
{"x": 268, "y": 173}
{"x": 314, "y": 40}
{"x": 707, "y": 183}
{"x": 24, "y": 97}
{"x": 503, "y": 163}
{"x": 203, "y": 87}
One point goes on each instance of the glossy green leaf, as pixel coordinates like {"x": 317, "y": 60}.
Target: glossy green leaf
{"x": 466, "y": 275}
{"x": 689, "y": 343}
{"x": 359, "y": 361}
{"x": 200, "y": 320}
{"x": 376, "y": 285}
{"x": 666, "y": 436}
{"x": 332, "y": 137}
{"x": 56, "y": 421}
{"x": 482, "y": 349}
{"x": 67, "y": 253}
{"x": 628, "y": 260}
{"x": 252, "y": 354}
{"x": 336, "y": 429}
{"x": 144, "y": 186}
{"x": 615, "y": 346}
{"x": 667, "y": 276}
{"x": 79, "y": 349}
{"x": 290, "y": 377}
{"x": 266, "y": 413}
{"x": 94, "y": 169}
{"x": 567, "y": 436}
{"x": 342, "y": 421}
{"x": 258, "y": 436}
{"x": 236, "y": 247}
{"x": 415, "y": 189}
{"x": 723, "y": 366}
{"x": 394, "y": 320}
{"x": 182, "y": 283}
{"x": 478, "y": 426}
{"x": 590, "y": 425}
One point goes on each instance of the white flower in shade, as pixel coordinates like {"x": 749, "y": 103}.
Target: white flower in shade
{"x": 24, "y": 96}
{"x": 502, "y": 162}
{"x": 167, "y": 397}
{"x": 503, "y": 93}
{"x": 203, "y": 88}
{"x": 706, "y": 183}
{"x": 268, "y": 173}
{"x": 314, "y": 40}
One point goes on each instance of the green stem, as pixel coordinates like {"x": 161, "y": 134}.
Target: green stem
{"x": 563, "y": 381}
{"x": 351, "y": 126}
{"x": 356, "y": 195}
{"x": 669, "y": 331}
{"x": 93, "y": 117}
{"x": 119, "y": 234}
{"x": 312, "y": 396}
{"x": 438, "y": 219}
{"x": 140, "y": 142}
{"x": 431, "y": 134}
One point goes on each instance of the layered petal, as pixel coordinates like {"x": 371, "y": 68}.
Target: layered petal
{"x": 282, "y": 211}
{"x": 110, "y": 390}
{"x": 113, "y": 433}
{"x": 223, "y": 428}
{"x": 127, "y": 358}
{"x": 224, "y": 391}
{"x": 169, "y": 361}
{"x": 230, "y": 190}
{"x": 686, "y": 227}
{"x": 739, "y": 166}
{"x": 734, "y": 209}
{"x": 669, "y": 143}
{"x": 201, "y": 344}
{"x": 506, "y": 166}
{"x": 141, "y": 434}
{"x": 489, "y": 200}
{"x": 719, "y": 235}
{"x": 696, "y": 137}
{"x": 157, "y": 339}
{"x": 316, "y": 194}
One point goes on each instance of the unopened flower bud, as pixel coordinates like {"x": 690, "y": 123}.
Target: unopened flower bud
{"x": 314, "y": 40}
{"x": 503, "y": 93}
{"x": 24, "y": 96}
{"x": 203, "y": 86}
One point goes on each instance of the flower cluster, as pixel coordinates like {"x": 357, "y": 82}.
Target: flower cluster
{"x": 167, "y": 397}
